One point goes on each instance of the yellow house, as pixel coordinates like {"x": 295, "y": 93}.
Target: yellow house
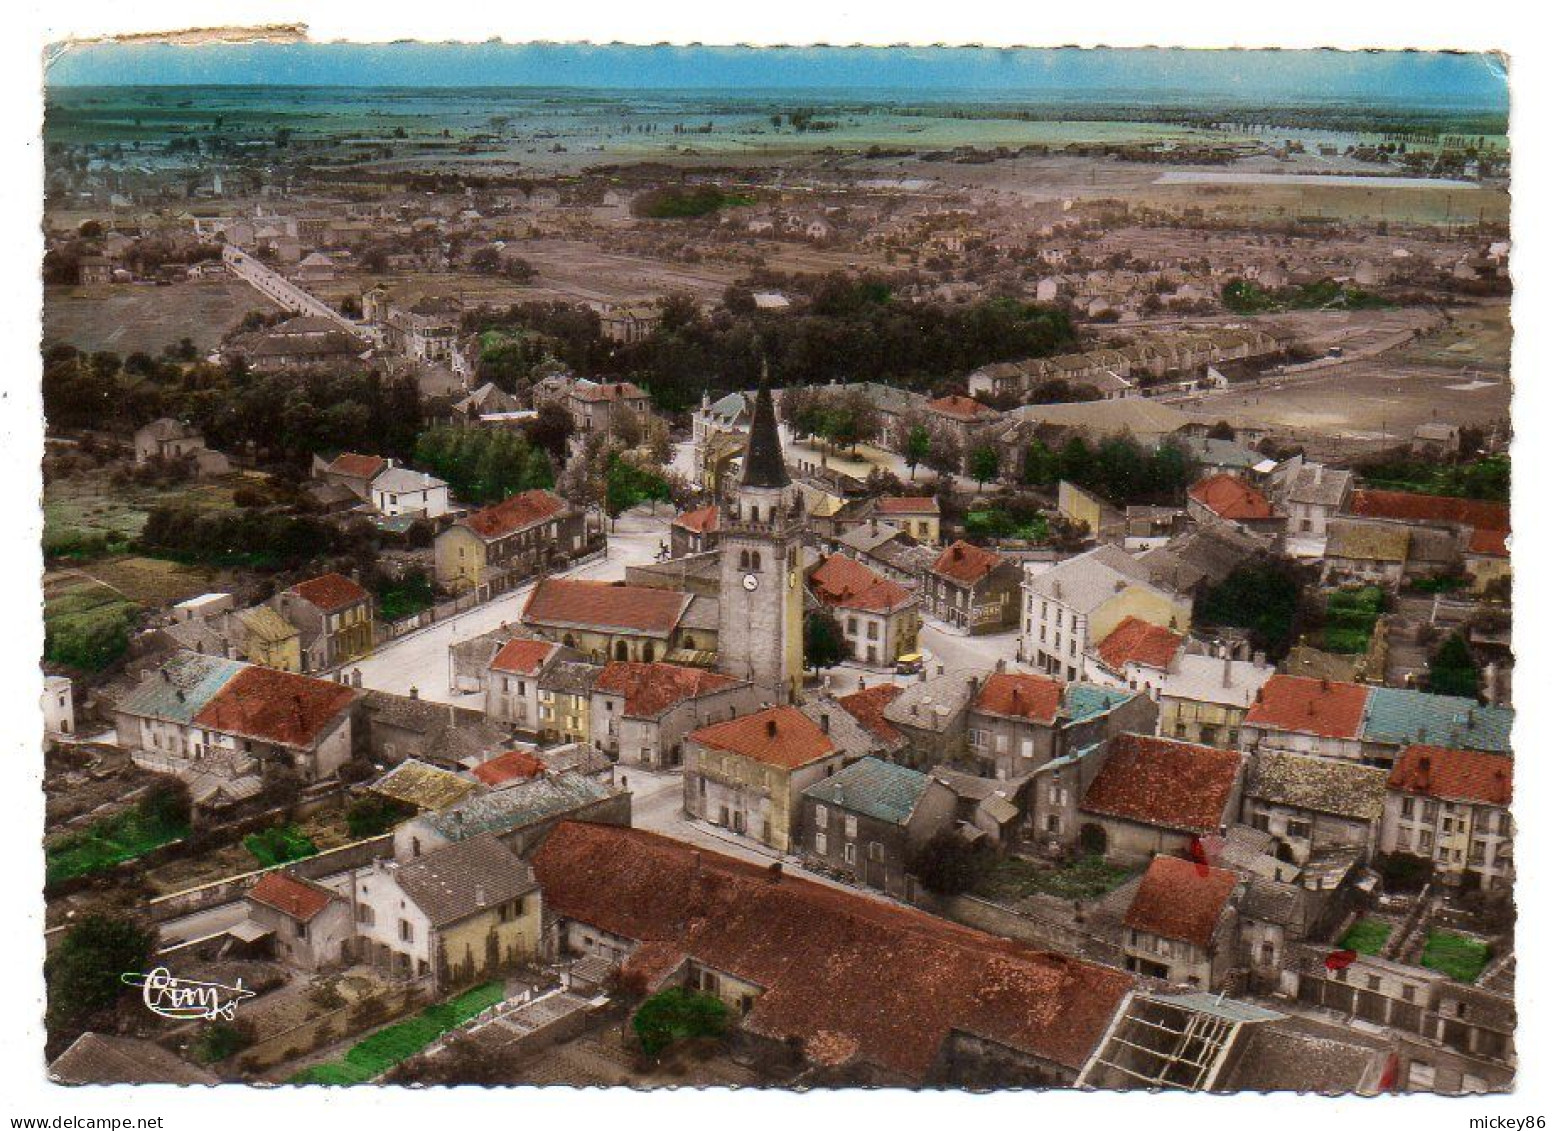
{"x": 460, "y": 914}
{"x": 526, "y": 532}
{"x": 266, "y": 638}
{"x": 916, "y": 517}
{"x": 566, "y": 688}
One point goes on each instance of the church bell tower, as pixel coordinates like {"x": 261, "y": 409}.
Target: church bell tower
{"x": 761, "y": 594}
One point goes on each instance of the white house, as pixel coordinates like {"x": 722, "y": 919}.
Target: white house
{"x": 400, "y": 491}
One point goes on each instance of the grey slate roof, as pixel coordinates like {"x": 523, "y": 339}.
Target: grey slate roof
{"x": 458, "y": 881}
{"x": 97, "y": 1058}
{"x": 526, "y": 803}
{"x": 1085, "y": 582}
{"x": 763, "y": 465}
{"x": 873, "y": 788}
{"x": 1319, "y": 486}
{"x": 933, "y": 705}
{"x": 1319, "y": 784}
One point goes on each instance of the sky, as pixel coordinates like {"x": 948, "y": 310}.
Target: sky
{"x": 1396, "y": 77}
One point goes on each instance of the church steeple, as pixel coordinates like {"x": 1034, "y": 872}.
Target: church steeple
{"x": 764, "y": 452}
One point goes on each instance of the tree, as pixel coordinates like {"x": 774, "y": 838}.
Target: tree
{"x": 166, "y": 804}
{"x": 946, "y": 864}
{"x": 983, "y": 463}
{"x": 1262, "y": 597}
{"x": 83, "y": 971}
{"x": 915, "y": 449}
{"x": 678, "y": 1014}
{"x": 823, "y": 641}
{"x": 1042, "y": 465}
{"x": 944, "y": 455}
{"x": 1452, "y": 669}
{"x": 551, "y": 429}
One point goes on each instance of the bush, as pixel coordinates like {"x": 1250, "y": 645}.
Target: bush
{"x": 1403, "y": 871}
{"x": 221, "y": 1039}
{"x": 678, "y": 1014}
{"x": 374, "y": 815}
{"x": 947, "y": 864}
{"x": 280, "y": 844}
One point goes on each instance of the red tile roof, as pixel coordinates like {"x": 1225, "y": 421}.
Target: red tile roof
{"x": 331, "y": 592}
{"x": 699, "y": 521}
{"x": 965, "y": 563}
{"x": 523, "y": 657}
{"x": 842, "y": 583}
{"x": 290, "y": 895}
{"x": 1489, "y": 543}
{"x": 358, "y": 466}
{"x": 1406, "y": 506}
{"x": 275, "y": 706}
{"x": 895, "y": 505}
{"x": 1021, "y": 695}
{"x": 868, "y": 707}
{"x": 515, "y": 765}
{"x": 962, "y": 408}
{"x": 606, "y": 606}
{"x": 1453, "y": 775}
{"x": 1326, "y": 708}
{"x": 1163, "y": 782}
{"x": 515, "y": 513}
{"x": 609, "y": 391}
{"x": 779, "y": 736}
{"x": 860, "y": 977}
{"x": 1137, "y": 641}
{"x": 1231, "y": 498}
{"x": 1178, "y": 899}
{"x": 651, "y": 689}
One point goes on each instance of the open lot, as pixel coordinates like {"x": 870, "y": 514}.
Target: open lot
{"x": 90, "y": 503}
{"x": 130, "y": 317}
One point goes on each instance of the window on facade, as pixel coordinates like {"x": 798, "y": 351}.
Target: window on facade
{"x": 876, "y": 851}
{"x": 1406, "y": 808}
{"x": 820, "y": 844}
{"x": 850, "y": 826}
{"x": 407, "y": 933}
{"x": 849, "y": 854}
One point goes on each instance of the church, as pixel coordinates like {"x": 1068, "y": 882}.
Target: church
{"x": 755, "y": 575}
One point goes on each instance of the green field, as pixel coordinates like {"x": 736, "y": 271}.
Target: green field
{"x": 108, "y": 842}
{"x": 1350, "y": 619}
{"x": 373, "y": 1056}
{"x": 84, "y": 515}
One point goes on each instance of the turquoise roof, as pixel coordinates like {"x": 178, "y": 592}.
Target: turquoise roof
{"x": 1084, "y": 700}
{"x": 873, "y": 788}
{"x": 181, "y": 687}
{"x": 1394, "y": 715}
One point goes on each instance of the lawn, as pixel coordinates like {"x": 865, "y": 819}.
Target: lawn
{"x": 87, "y": 513}
{"x": 107, "y": 842}
{"x": 373, "y": 1056}
{"x": 1367, "y": 936}
{"x": 1012, "y": 877}
{"x": 1458, "y": 956}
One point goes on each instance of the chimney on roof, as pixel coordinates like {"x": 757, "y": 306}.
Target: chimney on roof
{"x": 775, "y": 872}
{"x": 861, "y": 684}
{"x": 772, "y": 728}
{"x": 1325, "y": 683}
{"x": 825, "y": 723}
{"x": 480, "y": 895}
{"x": 415, "y": 692}
{"x": 1225, "y": 677}
{"x": 999, "y": 665}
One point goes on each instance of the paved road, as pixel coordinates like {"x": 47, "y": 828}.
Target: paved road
{"x": 421, "y": 659}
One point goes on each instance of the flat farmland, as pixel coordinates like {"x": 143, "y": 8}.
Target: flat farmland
{"x": 129, "y": 317}
{"x": 1376, "y": 400}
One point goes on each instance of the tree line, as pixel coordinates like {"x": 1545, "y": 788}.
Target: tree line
{"x": 484, "y": 464}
